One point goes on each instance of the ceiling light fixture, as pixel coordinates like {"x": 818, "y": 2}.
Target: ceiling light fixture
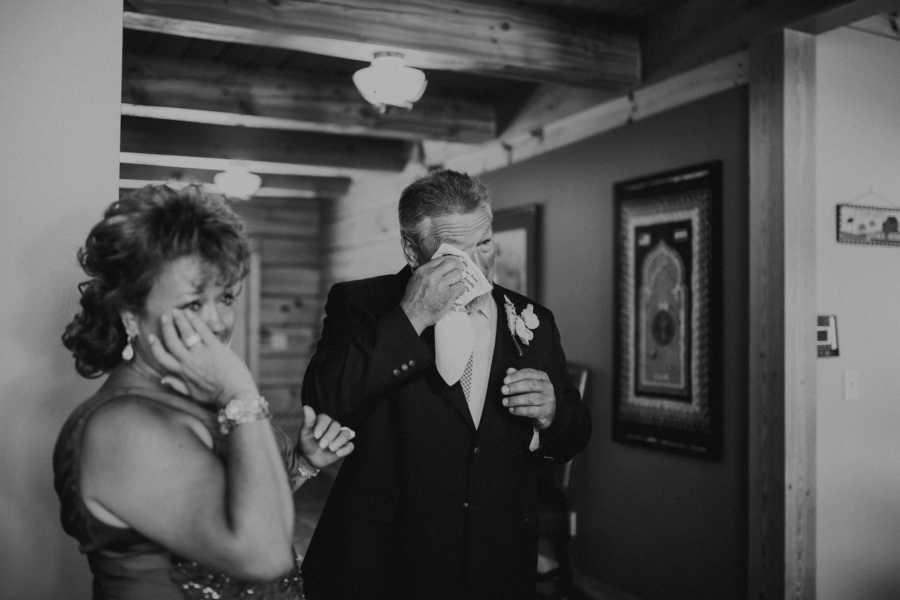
{"x": 389, "y": 82}
{"x": 237, "y": 182}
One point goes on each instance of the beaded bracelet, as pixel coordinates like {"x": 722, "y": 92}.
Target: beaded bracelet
{"x": 305, "y": 470}
{"x": 242, "y": 409}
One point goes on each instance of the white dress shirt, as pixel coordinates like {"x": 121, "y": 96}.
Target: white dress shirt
{"x": 483, "y": 317}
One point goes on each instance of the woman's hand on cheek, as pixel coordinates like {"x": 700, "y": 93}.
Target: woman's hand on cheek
{"x": 196, "y": 362}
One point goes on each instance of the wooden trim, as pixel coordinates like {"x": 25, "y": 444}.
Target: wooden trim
{"x": 851, "y": 13}
{"x": 263, "y": 192}
{"x": 257, "y": 166}
{"x": 275, "y": 145}
{"x": 885, "y": 25}
{"x": 710, "y": 79}
{"x": 685, "y": 34}
{"x": 318, "y": 187}
{"x": 782, "y": 370}
{"x": 438, "y": 119}
{"x": 254, "y": 299}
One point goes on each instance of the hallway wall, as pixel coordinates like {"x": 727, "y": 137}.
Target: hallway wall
{"x": 858, "y": 447}
{"x": 59, "y": 118}
{"x": 654, "y": 524}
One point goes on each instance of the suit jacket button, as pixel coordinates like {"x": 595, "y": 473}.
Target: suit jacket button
{"x": 465, "y": 505}
{"x": 476, "y": 450}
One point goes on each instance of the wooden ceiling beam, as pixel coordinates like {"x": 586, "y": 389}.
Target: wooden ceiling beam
{"x": 503, "y": 40}
{"x": 302, "y": 185}
{"x": 721, "y": 75}
{"x": 260, "y": 167}
{"x": 217, "y": 93}
{"x": 550, "y": 103}
{"x": 263, "y": 192}
{"x": 694, "y": 32}
{"x": 851, "y": 14}
{"x": 154, "y": 136}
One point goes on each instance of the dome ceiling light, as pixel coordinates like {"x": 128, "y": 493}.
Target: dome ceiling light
{"x": 389, "y": 82}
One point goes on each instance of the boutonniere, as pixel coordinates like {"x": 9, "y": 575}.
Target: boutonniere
{"x": 521, "y": 325}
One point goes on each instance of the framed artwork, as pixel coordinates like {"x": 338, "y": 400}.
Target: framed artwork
{"x": 871, "y": 225}
{"x": 667, "y": 248}
{"x": 517, "y": 239}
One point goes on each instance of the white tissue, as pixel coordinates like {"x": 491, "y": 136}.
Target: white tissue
{"x": 453, "y": 334}
{"x": 476, "y": 283}
{"x": 453, "y": 343}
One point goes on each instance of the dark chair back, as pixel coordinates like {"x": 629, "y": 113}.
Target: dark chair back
{"x": 557, "y": 519}
{"x": 579, "y": 376}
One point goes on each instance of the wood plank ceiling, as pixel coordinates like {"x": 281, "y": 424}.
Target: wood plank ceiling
{"x": 269, "y": 81}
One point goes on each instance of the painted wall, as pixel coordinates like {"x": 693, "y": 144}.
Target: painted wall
{"x": 653, "y": 524}
{"x": 59, "y": 142}
{"x": 858, "y": 444}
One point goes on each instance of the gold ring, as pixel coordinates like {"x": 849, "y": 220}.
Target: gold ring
{"x": 191, "y": 340}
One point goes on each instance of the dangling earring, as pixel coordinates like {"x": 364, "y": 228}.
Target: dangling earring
{"x": 128, "y": 350}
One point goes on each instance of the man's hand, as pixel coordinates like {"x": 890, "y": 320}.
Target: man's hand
{"x": 432, "y": 290}
{"x": 529, "y": 393}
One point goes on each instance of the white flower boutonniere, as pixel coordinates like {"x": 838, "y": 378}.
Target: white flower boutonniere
{"x": 521, "y": 325}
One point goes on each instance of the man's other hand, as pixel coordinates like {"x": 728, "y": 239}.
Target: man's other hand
{"x": 529, "y": 393}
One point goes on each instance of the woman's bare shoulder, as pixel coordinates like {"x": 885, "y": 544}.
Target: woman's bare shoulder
{"x": 130, "y": 430}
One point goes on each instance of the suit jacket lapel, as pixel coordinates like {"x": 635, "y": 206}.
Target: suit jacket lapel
{"x": 505, "y": 356}
{"x": 505, "y": 352}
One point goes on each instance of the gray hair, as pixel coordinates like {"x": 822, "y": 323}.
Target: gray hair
{"x": 443, "y": 192}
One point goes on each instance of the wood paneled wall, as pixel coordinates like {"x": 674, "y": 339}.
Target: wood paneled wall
{"x": 286, "y": 235}
{"x": 361, "y": 234}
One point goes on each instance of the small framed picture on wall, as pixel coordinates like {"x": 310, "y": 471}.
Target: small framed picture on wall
{"x": 517, "y": 240}
{"x": 667, "y": 311}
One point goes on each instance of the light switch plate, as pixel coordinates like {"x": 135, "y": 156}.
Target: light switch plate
{"x": 826, "y": 336}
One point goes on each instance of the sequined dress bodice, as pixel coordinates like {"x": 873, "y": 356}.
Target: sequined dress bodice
{"x": 125, "y": 564}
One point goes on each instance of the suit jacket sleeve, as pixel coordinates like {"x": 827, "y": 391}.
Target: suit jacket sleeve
{"x": 570, "y": 430}
{"x": 362, "y": 355}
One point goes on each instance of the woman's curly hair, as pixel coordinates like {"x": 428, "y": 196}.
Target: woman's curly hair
{"x": 125, "y": 252}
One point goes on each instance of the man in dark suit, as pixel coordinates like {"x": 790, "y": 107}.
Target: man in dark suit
{"x": 438, "y": 501}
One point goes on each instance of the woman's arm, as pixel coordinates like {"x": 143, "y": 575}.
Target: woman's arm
{"x": 157, "y": 476}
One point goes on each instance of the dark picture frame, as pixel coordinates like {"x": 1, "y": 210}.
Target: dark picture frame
{"x": 667, "y": 311}
{"x": 517, "y": 237}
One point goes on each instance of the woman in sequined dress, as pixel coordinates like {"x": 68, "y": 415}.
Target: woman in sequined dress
{"x": 171, "y": 477}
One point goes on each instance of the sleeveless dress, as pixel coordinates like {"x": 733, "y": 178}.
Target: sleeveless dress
{"x": 125, "y": 564}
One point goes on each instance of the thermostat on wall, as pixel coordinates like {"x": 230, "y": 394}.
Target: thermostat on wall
{"x": 826, "y": 335}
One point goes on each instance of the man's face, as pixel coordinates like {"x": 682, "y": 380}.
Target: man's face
{"x": 470, "y": 232}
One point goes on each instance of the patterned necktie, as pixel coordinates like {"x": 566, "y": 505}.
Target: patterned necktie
{"x": 466, "y": 380}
